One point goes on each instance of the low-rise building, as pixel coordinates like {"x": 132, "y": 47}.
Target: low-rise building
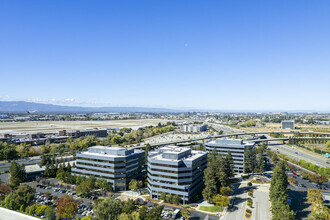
{"x": 194, "y": 128}
{"x": 84, "y": 133}
{"x": 113, "y": 164}
{"x": 235, "y": 146}
{"x": 177, "y": 171}
{"x": 288, "y": 124}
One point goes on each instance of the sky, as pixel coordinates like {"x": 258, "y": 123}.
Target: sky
{"x": 217, "y": 55}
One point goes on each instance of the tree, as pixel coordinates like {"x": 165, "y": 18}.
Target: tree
{"x": 221, "y": 200}
{"x": 50, "y": 213}
{"x": 124, "y": 216}
{"x": 226, "y": 191}
{"x": 17, "y": 174}
{"x": 274, "y": 157}
{"x": 278, "y": 193}
{"x": 108, "y": 208}
{"x": 41, "y": 210}
{"x": 261, "y": 162}
{"x": 4, "y": 190}
{"x": 185, "y": 213}
{"x": 222, "y": 170}
{"x": 175, "y": 199}
{"x": 21, "y": 197}
{"x": 66, "y": 207}
{"x": 133, "y": 185}
{"x": 281, "y": 211}
{"x": 129, "y": 206}
{"x": 146, "y": 150}
{"x": 88, "y": 217}
{"x": 143, "y": 212}
{"x": 279, "y": 182}
{"x": 155, "y": 213}
{"x": 85, "y": 187}
{"x": 107, "y": 186}
{"x": 314, "y": 195}
{"x": 132, "y": 216}
{"x": 210, "y": 183}
{"x": 328, "y": 145}
{"x": 229, "y": 165}
{"x": 319, "y": 210}
{"x": 162, "y": 196}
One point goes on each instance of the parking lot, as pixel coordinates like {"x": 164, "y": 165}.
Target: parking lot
{"x": 45, "y": 195}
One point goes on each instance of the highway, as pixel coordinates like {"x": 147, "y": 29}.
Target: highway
{"x": 298, "y": 154}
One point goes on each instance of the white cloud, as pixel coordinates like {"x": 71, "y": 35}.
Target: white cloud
{"x": 53, "y": 101}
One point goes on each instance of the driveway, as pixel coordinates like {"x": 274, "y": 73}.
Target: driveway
{"x": 237, "y": 211}
{"x": 261, "y": 203}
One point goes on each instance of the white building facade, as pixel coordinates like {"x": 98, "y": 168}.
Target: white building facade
{"x": 177, "y": 171}
{"x": 194, "y": 128}
{"x": 113, "y": 164}
{"x": 235, "y": 146}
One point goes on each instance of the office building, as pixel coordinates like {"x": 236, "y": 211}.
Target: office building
{"x": 235, "y": 146}
{"x": 177, "y": 171}
{"x": 194, "y": 128}
{"x": 84, "y": 133}
{"x": 288, "y": 124}
{"x": 113, "y": 164}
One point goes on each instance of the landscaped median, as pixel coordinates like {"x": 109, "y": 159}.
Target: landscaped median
{"x": 248, "y": 213}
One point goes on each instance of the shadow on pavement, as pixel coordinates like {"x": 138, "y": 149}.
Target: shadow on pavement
{"x": 299, "y": 203}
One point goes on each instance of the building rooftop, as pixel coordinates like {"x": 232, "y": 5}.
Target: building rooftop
{"x": 109, "y": 151}
{"x": 175, "y": 153}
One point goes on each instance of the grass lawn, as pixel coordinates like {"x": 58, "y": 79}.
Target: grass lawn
{"x": 211, "y": 208}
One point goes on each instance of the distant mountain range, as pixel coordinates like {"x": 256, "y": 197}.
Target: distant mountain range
{"x": 31, "y": 107}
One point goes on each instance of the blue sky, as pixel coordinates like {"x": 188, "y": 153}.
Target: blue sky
{"x": 225, "y": 55}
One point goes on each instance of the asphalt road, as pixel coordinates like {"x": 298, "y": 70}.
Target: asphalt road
{"x": 298, "y": 154}
{"x": 261, "y": 203}
{"x": 237, "y": 211}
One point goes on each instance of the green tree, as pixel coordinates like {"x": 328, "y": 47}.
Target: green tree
{"x": 226, "y": 191}
{"x": 281, "y": 210}
{"x": 210, "y": 183}
{"x": 50, "y": 213}
{"x": 229, "y": 164}
{"x": 129, "y": 206}
{"x": 143, "y": 212}
{"x": 108, "y": 208}
{"x": 146, "y": 151}
{"x": 21, "y": 197}
{"x": 163, "y": 196}
{"x": 155, "y": 213}
{"x": 175, "y": 199}
{"x": 222, "y": 171}
{"x": 17, "y": 174}
{"x": 41, "y": 210}
{"x": 279, "y": 182}
{"x": 328, "y": 145}
{"x": 85, "y": 187}
{"x": 133, "y": 185}
{"x": 221, "y": 200}
{"x": 185, "y": 213}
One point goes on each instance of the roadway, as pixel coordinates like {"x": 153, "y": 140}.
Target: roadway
{"x": 298, "y": 154}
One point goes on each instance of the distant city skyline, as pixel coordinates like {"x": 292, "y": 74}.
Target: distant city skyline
{"x": 215, "y": 55}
